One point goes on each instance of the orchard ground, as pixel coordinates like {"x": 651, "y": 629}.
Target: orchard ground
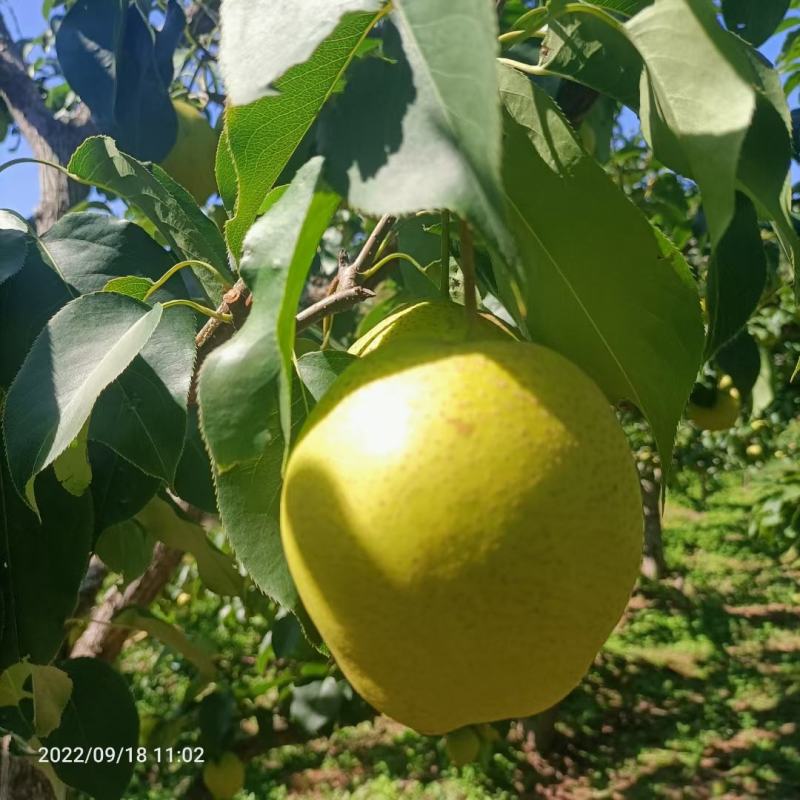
{"x": 696, "y": 694}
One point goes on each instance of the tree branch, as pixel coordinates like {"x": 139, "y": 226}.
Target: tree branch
{"x": 102, "y": 639}
{"x": 50, "y": 139}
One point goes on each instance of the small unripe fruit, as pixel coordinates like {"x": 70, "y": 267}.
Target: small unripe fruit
{"x": 754, "y": 451}
{"x": 224, "y": 778}
{"x": 720, "y": 416}
{"x": 463, "y": 746}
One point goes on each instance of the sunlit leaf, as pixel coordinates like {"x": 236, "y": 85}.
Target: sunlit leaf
{"x": 597, "y": 283}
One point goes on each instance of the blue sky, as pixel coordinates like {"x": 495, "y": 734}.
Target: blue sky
{"x": 19, "y": 187}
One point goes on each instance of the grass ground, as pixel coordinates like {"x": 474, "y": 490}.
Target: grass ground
{"x": 696, "y": 695}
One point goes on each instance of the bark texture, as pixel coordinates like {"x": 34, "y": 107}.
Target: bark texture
{"x": 653, "y": 565}
{"x": 49, "y": 138}
{"x": 102, "y": 639}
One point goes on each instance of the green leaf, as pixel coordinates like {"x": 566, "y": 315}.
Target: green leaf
{"x": 85, "y": 347}
{"x": 42, "y": 564}
{"x": 225, "y": 171}
{"x": 431, "y": 100}
{"x": 626, "y": 7}
{"x": 130, "y": 286}
{"x": 260, "y": 40}
{"x": 142, "y": 415}
{"x": 72, "y": 467}
{"x": 126, "y": 548}
{"x": 732, "y": 131}
{"x": 249, "y": 501}
{"x": 741, "y": 359}
{"x": 245, "y": 382}
{"x": 119, "y": 490}
{"x": 98, "y": 162}
{"x": 754, "y": 21}
{"x": 13, "y": 244}
{"x": 100, "y": 713}
{"x": 239, "y": 379}
{"x": 216, "y": 570}
{"x": 699, "y": 133}
{"x": 588, "y": 256}
{"x": 89, "y": 250}
{"x": 107, "y": 52}
{"x": 171, "y": 636}
{"x": 193, "y": 478}
{"x": 317, "y": 704}
{"x": 50, "y": 692}
{"x": 586, "y": 49}
{"x": 78, "y": 255}
{"x": 263, "y": 136}
{"x": 736, "y": 277}
{"x": 317, "y": 371}
{"x": 88, "y": 44}
{"x": 766, "y": 159}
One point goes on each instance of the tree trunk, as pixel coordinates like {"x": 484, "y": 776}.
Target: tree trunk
{"x": 49, "y": 139}
{"x": 19, "y": 779}
{"x": 653, "y": 565}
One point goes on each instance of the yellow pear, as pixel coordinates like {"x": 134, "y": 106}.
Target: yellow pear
{"x": 192, "y": 158}
{"x": 720, "y": 416}
{"x": 430, "y": 320}
{"x": 464, "y": 525}
{"x": 224, "y": 778}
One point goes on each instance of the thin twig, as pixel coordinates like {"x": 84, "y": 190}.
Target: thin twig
{"x": 342, "y": 300}
{"x": 370, "y": 248}
{"x": 345, "y": 290}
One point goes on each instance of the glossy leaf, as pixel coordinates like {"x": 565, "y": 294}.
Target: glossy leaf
{"x": 699, "y": 133}
{"x": 131, "y": 286}
{"x": 100, "y": 713}
{"x": 88, "y": 250}
{"x": 119, "y": 490}
{"x": 193, "y": 478}
{"x": 260, "y": 40}
{"x": 584, "y": 48}
{"x": 421, "y": 128}
{"x": 78, "y": 255}
{"x": 263, "y": 136}
{"x": 42, "y": 564}
{"x": 736, "y": 277}
{"x": 225, "y": 172}
{"x": 142, "y": 415}
{"x": 244, "y": 383}
{"x": 85, "y": 347}
{"x": 626, "y": 7}
{"x": 216, "y": 570}
{"x": 239, "y": 379}
{"x": 88, "y": 44}
{"x": 754, "y": 21}
{"x": 98, "y": 162}
{"x": 107, "y": 52}
{"x": 588, "y": 254}
{"x": 14, "y": 240}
